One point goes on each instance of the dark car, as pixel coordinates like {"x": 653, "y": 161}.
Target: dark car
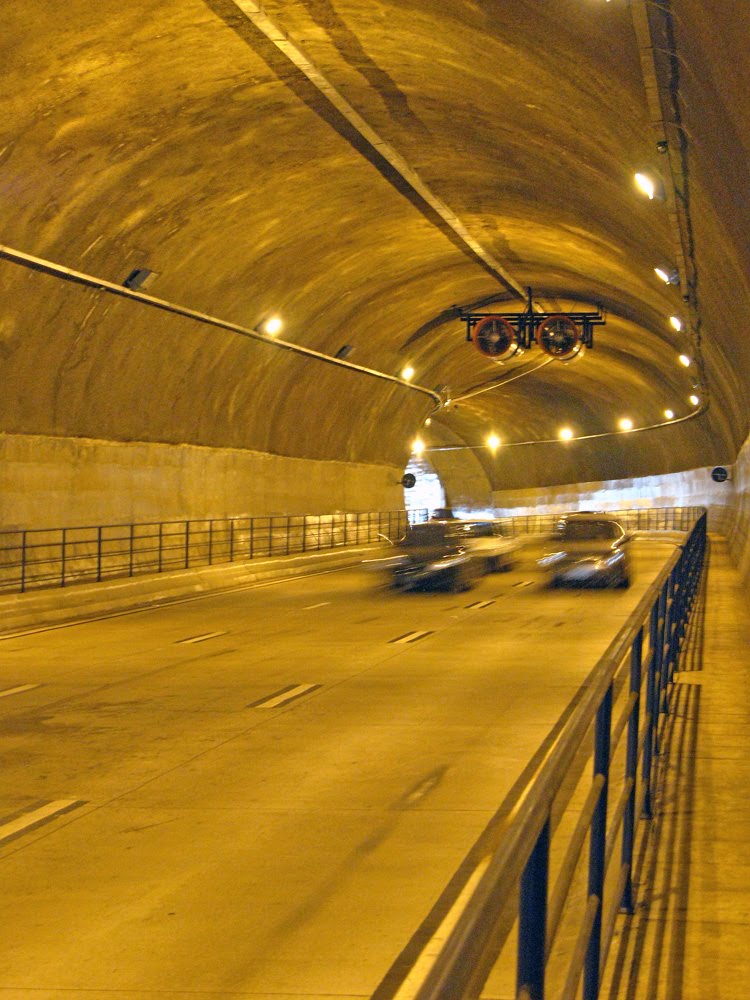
{"x": 430, "y": 554}
{"x": 588, "y": 550}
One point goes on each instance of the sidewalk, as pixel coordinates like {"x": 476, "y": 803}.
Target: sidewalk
{"x": 688, "y": 939}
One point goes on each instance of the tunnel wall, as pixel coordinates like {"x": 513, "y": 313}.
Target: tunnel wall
{"x": 53, "y": 482}
{"x": 739, "y": 531}
{"x": 677, "y": 489}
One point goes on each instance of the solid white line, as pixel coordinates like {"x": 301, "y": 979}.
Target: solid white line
{"x": 199, "y": 638}
{"x": 311, "y": 607}
{"x": 18, "y": 690}
{"x": 281, "y": 699}
{"x": 29, "y": 819}
{"x": 431, "y": 950}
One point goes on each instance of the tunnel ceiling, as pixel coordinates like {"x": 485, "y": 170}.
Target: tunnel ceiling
{"x": 365, "y": 170}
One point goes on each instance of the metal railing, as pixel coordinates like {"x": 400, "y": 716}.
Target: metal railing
{"x": 57, "y": 557}
{"x": 633, "y": 519}
{"x": 622, "y": 712}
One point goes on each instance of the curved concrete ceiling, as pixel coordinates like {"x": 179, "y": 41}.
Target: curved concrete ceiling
{"x": 363, "y": 169}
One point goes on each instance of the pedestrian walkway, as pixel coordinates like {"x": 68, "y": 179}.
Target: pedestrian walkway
{"x": 688, "y": 938}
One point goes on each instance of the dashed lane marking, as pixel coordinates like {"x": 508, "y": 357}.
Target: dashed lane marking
{"x": 411, "y": 637}
{"x": 523, "y": 583}
{"x": 199, "y": 638}
{"x": 478, "y": 605}
{"x": 284, "y": 696}
{"x": 37, "y": 817}
{"x": 312, "y": 607}
{"x": 17, "y": 690}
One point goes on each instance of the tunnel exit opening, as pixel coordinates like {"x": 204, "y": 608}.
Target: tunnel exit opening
{"x": 427, "y": 494}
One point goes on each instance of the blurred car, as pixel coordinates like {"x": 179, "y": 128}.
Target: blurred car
{"x": 430, "y": 554}
{"x": 588, "y": 550}
{"x": 488, "y": 545}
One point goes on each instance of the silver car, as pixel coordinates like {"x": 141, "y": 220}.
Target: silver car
{"x": 588, "y": 550}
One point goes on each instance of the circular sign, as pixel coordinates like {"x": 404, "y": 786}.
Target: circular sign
{"x": 494, "y": 337}
{"x": 408, "y": 480}
{"x": 719, "y": 474}
{"x": 559, "y": 337}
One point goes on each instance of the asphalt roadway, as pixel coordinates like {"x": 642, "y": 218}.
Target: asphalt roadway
{"x": 265, "y": 793}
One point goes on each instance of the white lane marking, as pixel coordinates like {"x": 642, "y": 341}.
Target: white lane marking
{"x": 311, "y": 607}
{"x": 288, "y": 694}
{"x": 29, "y": 819}
{"x": 199, "y": 638}
{"x": 428, "y": 955}
{"x": 478, "y": 605}
{"x": 410, "y": 637}
{"x": 18, "y": 690}
{"x": 523, "y": 583}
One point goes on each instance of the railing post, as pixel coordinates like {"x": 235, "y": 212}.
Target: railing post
{"x": 23, "y": 561}
{"x": 62, "y": 556}
{"x": 598, "y": 846}
{"x": 210, "y": 541}
{"x": 288, "y": 532}
{"x": 161, "y": 544}
{"x": 270, "y": 535}
{"x": 99, "y": 554}
{"x": 631, "y": 770}
{"x": 532, "y": 920}
{"x": 318, "y": 545}
{"x": 231, "y": 539}
{"x": 187, "y": 544}
{"x": 252, "y": 537}
{"x": 132, "y": 547}
{"x": 304, "y": 532}
{"x": 652, "y": 708}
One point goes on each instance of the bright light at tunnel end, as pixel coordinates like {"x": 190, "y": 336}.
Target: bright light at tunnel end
{"x": 417, "y": 447}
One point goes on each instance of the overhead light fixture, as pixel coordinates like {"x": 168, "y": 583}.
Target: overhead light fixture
{"x": 625, "y": 424}
{"x": 427, "y": 422}
{"x": 344, "y": 351}
{"x": 565, "y": 434}
{"x": 649, "y": 185}
{"x": 669, "y": 414}
{"x": 694, "y": 399}
{"x": 684, "y": 360}
{"x": 273, "y": 326}
{"x": 669, "y": 277}
{"x": 493, "y": 442}
{"x": 140, "y": 277}
{"x": 676, "y": 323}
{"x": 407, "y": 373}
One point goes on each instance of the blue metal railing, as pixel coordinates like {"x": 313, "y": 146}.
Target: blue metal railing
{"x": 41, "y": 558}
{"x": 636, "y": 678}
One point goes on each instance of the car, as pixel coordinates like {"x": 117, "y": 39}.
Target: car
{"x": 488, "y": 545}
{"x": 430, "y": 554}
{"x": 588, "y": 550}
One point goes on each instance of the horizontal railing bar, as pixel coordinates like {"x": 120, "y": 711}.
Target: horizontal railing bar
{"x": 609, "y": 917}
{"x": 615, "y": 821}
{"x": 575, "y": 967}
{"x": 566, "y": 874}
{"x": 619, "y": 727}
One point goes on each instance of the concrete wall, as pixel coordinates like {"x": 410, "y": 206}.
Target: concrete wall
{"x": 51, "y": 482}
{"x": 739, "y": 531}
{"x": 678, "y": 489}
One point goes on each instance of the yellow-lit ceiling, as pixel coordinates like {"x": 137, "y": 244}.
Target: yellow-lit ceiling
{"x": 364, "y": 171}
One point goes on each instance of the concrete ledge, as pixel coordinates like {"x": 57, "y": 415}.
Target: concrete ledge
{"x": 90, "y": 600}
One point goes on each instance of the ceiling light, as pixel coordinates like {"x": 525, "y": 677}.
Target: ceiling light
{"x": 417, "y": 446}
{"x": 646, "y": 185}
{"x": 669, "y": 414}
{"x": 344, "y": 351}
{"x": 427, "y": 422}
{"x": 493, "y": 442}
{"x": 626, "y": 424}
{"x": 407, "y": 373}
{"x": 670, "y": 277}
{"x": 684, "y": 360}
{"x": 140, "y": 277}
{"x": 565, "y": 434}
{"x": 676, "y": 323}
{"x": 694, "y": 399}
{"x": 273, "y": 326}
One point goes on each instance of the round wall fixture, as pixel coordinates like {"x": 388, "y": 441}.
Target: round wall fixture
{"x": 494, "y": 337}
{"x": 408, "y": 480}
{"x": 719, "y": 474}
{"x": 559, "y": 337}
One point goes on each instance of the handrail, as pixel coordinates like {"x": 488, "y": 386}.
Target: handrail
{"x": 466, "y": 959}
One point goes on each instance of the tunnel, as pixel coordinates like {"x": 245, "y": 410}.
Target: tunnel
{"x": 261, "y": 265}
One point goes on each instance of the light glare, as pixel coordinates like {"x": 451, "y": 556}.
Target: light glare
{"x": 694, "y": 399}
{"x": 684, "y": 360}
{"x": 493, "y": 442}
{"x": 645, "y": 185}
{"x": 407, "y": 374}
{"x": 662, "y": 274}
{"x": 669, "y": 414}
{"x": 565, "y": 433}
{"x": 626, "y": 424}
{"x": 676, "y": 323}
{"x": 273, "y": 326}
{"x": 418, "y": 446}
